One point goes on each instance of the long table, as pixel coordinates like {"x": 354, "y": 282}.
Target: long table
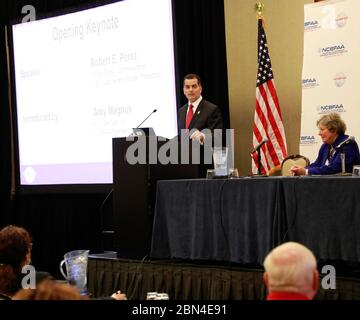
{"x": 241, "y": 220}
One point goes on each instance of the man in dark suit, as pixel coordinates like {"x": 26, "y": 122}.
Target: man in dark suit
{"x": 198, "y": 113}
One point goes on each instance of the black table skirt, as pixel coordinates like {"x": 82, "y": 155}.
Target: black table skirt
{"x": 241, "y": 220}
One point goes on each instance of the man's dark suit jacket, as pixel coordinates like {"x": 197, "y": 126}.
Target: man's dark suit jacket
{"x": 207, "y": 116}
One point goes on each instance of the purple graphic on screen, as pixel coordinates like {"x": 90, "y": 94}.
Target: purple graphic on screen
{"x": 75, "y": 173}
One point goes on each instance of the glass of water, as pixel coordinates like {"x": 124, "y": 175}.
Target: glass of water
{"x": 356, "y": 171}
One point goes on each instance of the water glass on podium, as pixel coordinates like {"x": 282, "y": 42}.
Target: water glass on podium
{"x": 220, "y": 157}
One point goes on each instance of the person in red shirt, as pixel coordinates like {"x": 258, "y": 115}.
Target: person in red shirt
{"x": 291, "y": 273}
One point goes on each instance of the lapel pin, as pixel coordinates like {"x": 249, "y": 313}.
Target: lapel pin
{"x": 198, "y": 112}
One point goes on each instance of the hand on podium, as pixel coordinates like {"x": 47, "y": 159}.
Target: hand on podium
{"x": 118, "y": 295}
{"x": 198, "y": 136}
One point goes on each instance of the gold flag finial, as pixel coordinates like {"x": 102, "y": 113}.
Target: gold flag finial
{"x": 259, "y": 7}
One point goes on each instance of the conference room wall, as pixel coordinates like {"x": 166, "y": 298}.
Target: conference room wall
{"x": 284, "y": 30}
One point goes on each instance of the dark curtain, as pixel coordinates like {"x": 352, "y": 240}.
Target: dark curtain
{"x": 63, "y": 222}
{"x": 58, "y": 224}
{"x": 201, "y": 48}
{"x": 193, "y": 282}
{"x": 180, "y": 281}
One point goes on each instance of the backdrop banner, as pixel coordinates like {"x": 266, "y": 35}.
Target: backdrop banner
{"x": 331, "y": 69}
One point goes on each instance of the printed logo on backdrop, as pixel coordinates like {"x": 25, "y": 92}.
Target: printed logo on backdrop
{"x": 328, "y": 108}
{"x": 309, "y": 83}
{"x": 341, "y": 20}
{"x": 332, "y": 51}
{"x": 307, "y": 140}
{"x": 311, "y": 25}
{"x": 331, "y": 20}
{"x": 340, "y": 79}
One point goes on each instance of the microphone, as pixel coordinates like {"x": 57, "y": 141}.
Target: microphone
{"x": 260, "y": 145}
{"x": 346, "y": 141}
{"x": 146, "y": 118}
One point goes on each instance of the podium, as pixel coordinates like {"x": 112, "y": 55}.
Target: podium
{"x": 134, "y": 189}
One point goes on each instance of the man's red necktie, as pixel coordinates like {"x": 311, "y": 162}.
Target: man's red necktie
{"x": 189, "y": 116}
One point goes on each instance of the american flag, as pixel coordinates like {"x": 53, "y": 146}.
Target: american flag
{"x": 268, "y": 122}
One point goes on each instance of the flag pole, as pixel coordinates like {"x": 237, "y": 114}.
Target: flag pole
{"x": 259, "y": 7}
{"x": 268, "y": 122}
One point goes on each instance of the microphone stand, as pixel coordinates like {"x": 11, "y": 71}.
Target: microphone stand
{"x": 259, "y": 174}
{"x": 258, "y": 150}
{"x": 342, "y": 157}
{"x": 149, "y": 131}
{"x": 146, "y": 118}
{"x": 259, "y": 162}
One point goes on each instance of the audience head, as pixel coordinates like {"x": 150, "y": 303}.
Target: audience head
{"x": 50, "y": 290}
{"x": 15, "y": 253}
{"x": 291, "y": 268}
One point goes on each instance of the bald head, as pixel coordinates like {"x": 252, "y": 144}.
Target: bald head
{"x": 291, "y": 267}
{"x": 290, "y": 253}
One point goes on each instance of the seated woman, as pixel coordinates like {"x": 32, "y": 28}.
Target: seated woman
{"x": 332, "y": 132}
{"x": 15, "y": 253}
